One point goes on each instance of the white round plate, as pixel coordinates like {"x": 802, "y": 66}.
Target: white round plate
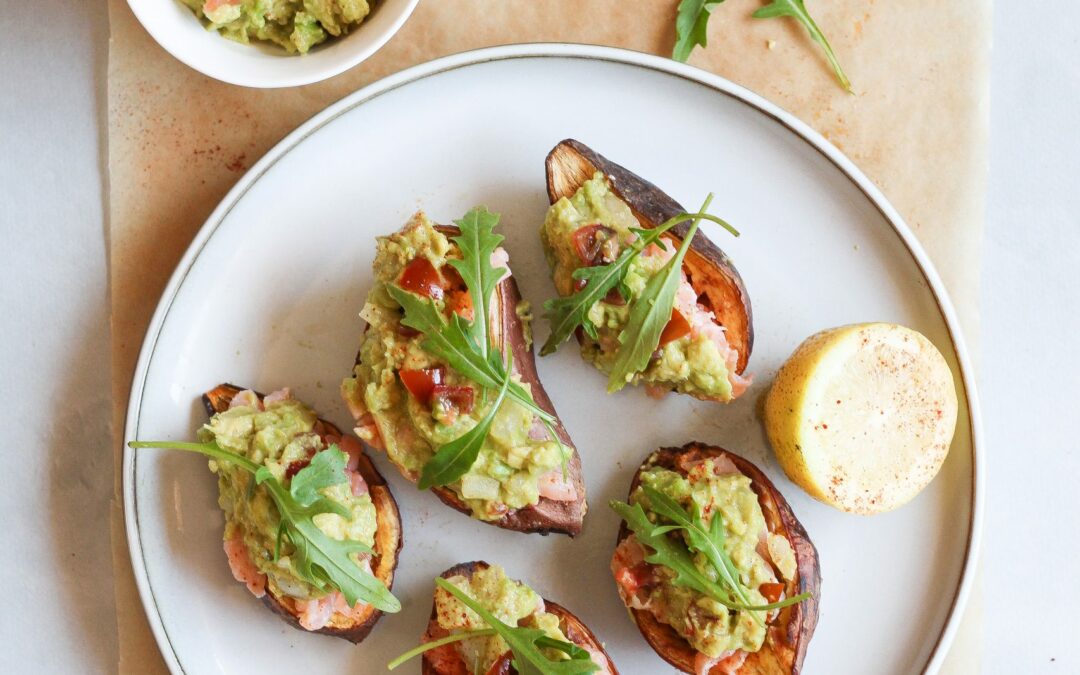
{"x": 268, "y": 294}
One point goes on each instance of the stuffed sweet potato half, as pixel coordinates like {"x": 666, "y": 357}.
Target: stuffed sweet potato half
{"x": 310, "y": 526}
{"x": 452, "y": 645}
{"x": 598, "y": 212}
{"x": 712, "y": 520}
{"x": 445, "y": 380}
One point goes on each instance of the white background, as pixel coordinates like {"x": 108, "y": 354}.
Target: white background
{"x": 57, "y": 611}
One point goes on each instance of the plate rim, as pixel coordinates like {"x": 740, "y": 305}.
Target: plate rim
{"x": 574, "y": 52}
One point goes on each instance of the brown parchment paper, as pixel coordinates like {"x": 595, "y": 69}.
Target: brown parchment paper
{"x": 917, "y": 125}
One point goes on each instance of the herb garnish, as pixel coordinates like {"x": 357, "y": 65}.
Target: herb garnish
{"x": 649, "y": 313}
{"x": 693, "y": 17}
{"x": 797, "y": 10}
{"x": 319, "y": 560}
{"x": 477, "y": 242}
{"x": 567, "y": 313}
{"x": 525, "y": 643}
{"x": 690, "y": 26}
{"x": 466, "y": 345}
{"x": 675, "y": 554}
{"x": 455, "y": 458}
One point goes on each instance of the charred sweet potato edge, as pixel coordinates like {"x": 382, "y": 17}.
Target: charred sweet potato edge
{"x": 388, "y": 536}
{"x": 434, "y": 661}
{"x": 708, "y": 268}
{"x": 547, "y": 515}
{"x": 790, "y": 632}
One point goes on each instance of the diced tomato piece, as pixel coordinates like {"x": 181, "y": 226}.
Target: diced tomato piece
{"x": 579, "y": 284}
{"x": 614, "y": 297}
{"x": 461, "y": 303}
{"x": 296, "y": 467}
{"x": 772, "y": 591}
{"x": 421, "y": 277}
{"x": 452, "y": 277}
{"x": 589, "y": 241}
{"x": 676, "y": 328}
{"x": 421, "y": 383}
{"x": 458, "y": 399}
{"x": 633, "y": 578}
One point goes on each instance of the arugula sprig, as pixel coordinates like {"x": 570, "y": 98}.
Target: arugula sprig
{"x": 692, "y": 20}
{"x": 477, "y": 242}
{"x": 435, "y": 644}
{"x": 466, "y": 346}
{"x": 649, "y": 313}
{"x": 708, "y": 541}
{"x": 797, "y": 10}
{"x": 525, "y": 643}
{"x": 319, "y": 560}
{"x": 455, "y": 458}
{"x": 567, "y": 313}
{"x": 691, "y": 25}
{"x": 451, "y": 341}
{"x": 674, "y": 553}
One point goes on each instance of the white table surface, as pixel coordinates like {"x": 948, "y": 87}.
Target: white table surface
{"x": 55, "y": 562}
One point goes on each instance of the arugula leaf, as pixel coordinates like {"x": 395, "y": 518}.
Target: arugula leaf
{"x": 568, "y": 648}
{"x": 669, "y": 553}
{"x": 320, "y": 560}
{"x": 450, "y": 341}
{"x": 477, "y": 242}
{"x": 693, "y": 17}
{"x": 707, "y": 541}
{"x": 797, "y": 10}
{"x": 690, "y": 26}
{"x": 325, "y": 469}
{"x": 567, "y": 313}
{"x": 649, "y": 313}
{"x": 455, "y": 458}
{"x": 466, "y": 345}
{"x": 673, "y": 554}
{"x": 526, "y": 643}
{"x": 433, "y": 644}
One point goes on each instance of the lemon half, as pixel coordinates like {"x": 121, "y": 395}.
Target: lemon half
{"x": 862, "y": 416}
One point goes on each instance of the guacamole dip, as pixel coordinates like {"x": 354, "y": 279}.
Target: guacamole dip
{"x": 758, "y": 555}
{"x": 512, "y": 602}
{"x": 296, "y": 25}
{"x": 283, "y": 435}
{"x": 410, "y": 404}
{"x": 593, "y": 228}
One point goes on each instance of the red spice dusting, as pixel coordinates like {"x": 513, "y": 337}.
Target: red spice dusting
{"x": 238, "y": 163}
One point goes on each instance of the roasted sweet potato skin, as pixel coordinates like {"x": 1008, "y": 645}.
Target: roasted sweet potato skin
{"x": 388, "y": 536}
{"x": 790, "y": 632}
{"x": 444, "y": 661}
{"x": 709, "y": 270}
{"x": 547, "y": 516}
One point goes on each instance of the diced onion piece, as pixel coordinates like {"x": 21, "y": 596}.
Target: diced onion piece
{"x": 474, "y": 486}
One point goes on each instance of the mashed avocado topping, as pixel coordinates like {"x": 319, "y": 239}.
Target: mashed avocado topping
{"x": 512, "y": 602}
{"x": 412, "y": 403}
{"x": 710, "y": 627}
{"x": 296, "y": 25}
{"x": 592, "y": 228}
{"x": 283, "y": 438}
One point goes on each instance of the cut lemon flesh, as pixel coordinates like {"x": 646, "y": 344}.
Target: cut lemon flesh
{"x": 862, "y": 416}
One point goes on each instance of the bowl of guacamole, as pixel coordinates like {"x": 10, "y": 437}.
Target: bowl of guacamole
{"x": 272, "y": 43}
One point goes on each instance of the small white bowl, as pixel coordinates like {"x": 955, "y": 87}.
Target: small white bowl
{"x": 265, "y": 65}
